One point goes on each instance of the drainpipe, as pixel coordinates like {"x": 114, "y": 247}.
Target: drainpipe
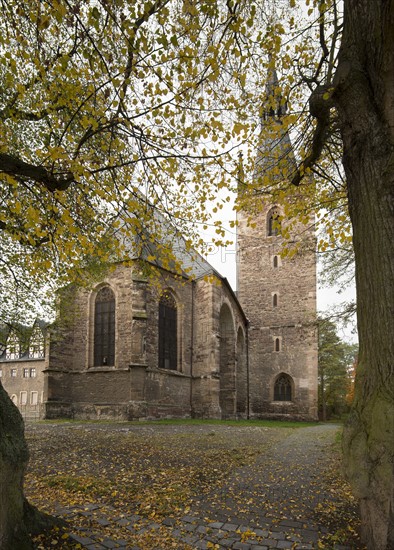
{"x": 247, "y": 372}
{"x": 192, "y": 348}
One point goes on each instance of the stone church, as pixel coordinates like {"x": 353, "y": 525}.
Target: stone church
{"x": 191, "y": 347}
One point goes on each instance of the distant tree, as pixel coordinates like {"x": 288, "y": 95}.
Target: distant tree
{"x": 335, "y": 358}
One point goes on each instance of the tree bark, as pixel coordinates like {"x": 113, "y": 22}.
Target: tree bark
{"x": 13, "y": 460}
{"x": 364, "y": 99}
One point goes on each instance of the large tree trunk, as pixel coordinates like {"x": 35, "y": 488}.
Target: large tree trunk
{"x": 13, "y": 460}
{"x": 364, "y": 100}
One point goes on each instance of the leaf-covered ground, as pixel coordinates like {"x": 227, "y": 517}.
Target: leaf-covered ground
{"x": 253, "y": 473}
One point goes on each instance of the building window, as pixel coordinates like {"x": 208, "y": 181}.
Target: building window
{"x": 277, "y": 344}
{"x": 168, "y": 326}
{"x": 13, "y": 373}
{"x": 25, "y": 373}
{"x": 275, "y": 261}
{"x": 37, "y": 343}
{"x": 23, "y": 398}
{"x": 275, "y": 300}
{"x": 33, "y": 373}
{"x": 283, "y": 388}
{"x": 14, "y": 399}
{"x": 34, "y": 398}
{"x": 104, "y": 328}
{"x": 273, "y": 222}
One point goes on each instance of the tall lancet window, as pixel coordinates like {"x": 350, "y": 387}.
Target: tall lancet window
{"x": 104, "y": 328}
{"x": 274, "y": 222}
{"x": 168, "y": 328}
{"x": 283, "y": 388}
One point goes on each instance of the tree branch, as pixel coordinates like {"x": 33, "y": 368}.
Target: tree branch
{"x": 320, "y": 103}
{"x": 14, "y": 166}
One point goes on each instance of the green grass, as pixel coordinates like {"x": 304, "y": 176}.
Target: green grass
{"x": 193, "y": 421}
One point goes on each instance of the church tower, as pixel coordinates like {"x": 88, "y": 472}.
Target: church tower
{"x": 277, "y": 294}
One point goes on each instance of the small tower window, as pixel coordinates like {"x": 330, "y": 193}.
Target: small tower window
{"x": 275, "y": 262}
{"x": 275, "y": 300}
{"x": 277, "y": 344}
{"x": 273, "y": 222}
{"x": 283, "y": 388}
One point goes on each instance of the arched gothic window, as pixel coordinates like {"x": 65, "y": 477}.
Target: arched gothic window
{"x": 104, "y": 328}
{"x": 273, "y": 222}
{"x": 283, "y": 388}
{"x": 168, "y": 327}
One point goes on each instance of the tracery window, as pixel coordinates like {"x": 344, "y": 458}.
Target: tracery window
{"x": 273, "y": 222}
{"x": 168, "y": 327}
{"x": 283, "y": 388}
{"x": 104, "y": 328}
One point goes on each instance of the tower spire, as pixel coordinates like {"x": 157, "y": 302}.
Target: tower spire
{"x": 275, "y": 149}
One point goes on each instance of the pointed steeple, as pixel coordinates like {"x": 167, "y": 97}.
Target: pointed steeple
{"x": 275, "y": 151}
{"x": 274, "y": 107}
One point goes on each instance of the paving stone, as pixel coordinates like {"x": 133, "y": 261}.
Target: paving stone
{"x": 82, "y": 540}
{"x": 190, "y": 539}
{"x": 201, "y": 544}
{"x": 189, "y": 519}
{"x": 122, "y": 522}
{"x": 91, "y": 506}
{"x": 103, "y": 521}
{"x": 290, "y": 523}
{"x": 260, "y": 533}
{"x": 203, "y": 529}
{"x": 284, "y": 544}
{"x": 134, "y": 518}
{"x": 95, "y": 546}
{"x": 215, "y": 525}
{"x": 241, "y": 546}
{"x": 278, "y": 535}
{"x": 228, "y": 543}
{"x": 259, "y": 547}
{"x": 230, "y": 527}
{"x": 190, "y": 527}
{"x": 309, "y": 536}
{"x": 110, "y": 543}
{"x": 244, "y": 528}
{"x": 169, "y": 522}
{"x": 272, "y": 543}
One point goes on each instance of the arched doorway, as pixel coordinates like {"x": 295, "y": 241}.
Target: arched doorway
{"x": 227, "y": 363}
